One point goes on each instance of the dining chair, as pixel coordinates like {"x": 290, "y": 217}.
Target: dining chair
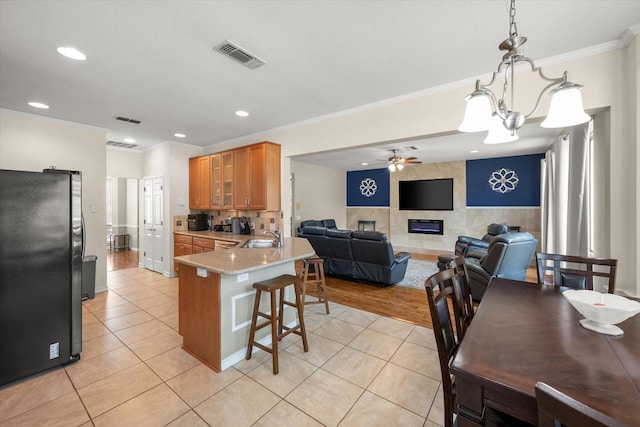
{"x": 443, "y": 330}
{"x": 448, "y": 342}
{"x": 463, "y": 296}
{"x": 556, "y": 408}
{"x": 575, "y": 271}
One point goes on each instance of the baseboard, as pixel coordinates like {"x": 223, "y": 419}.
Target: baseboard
{"x": 102, "y": 289}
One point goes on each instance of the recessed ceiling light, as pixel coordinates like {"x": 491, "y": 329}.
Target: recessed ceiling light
{"x": 129, "y": 140}
{"x": 242, "y": 113}
{"x": 364, "y": 164}
{"x": 179, "y": 135}
{"x": 71, "y": 52}
{"x": 474, "y": 151}
{"x": 39, "y": 105}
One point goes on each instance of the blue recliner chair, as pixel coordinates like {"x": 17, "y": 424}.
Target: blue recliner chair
{"x": 508, "y": 256}
{"x": 466, "y": 244}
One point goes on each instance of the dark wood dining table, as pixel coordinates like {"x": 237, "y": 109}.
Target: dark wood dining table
{"x": 523, "y": 333}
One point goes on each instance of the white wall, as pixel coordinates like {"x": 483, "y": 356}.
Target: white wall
{"x": 132, "y": 213}
{"x": 170, "y": 161}
{"x": 33, "y": 143}
{"x": 320, "y": 193}
{"x": 123, "y": 163}
{"x": 610, "y": 81}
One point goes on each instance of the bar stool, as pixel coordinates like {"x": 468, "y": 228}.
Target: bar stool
{"x": 317, "y": 278}
{"x": 275, "y": 318}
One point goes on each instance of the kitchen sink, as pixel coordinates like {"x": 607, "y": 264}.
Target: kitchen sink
{"x": 260, "y": 243}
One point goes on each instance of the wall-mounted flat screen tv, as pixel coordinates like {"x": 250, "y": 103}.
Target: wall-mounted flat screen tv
{"x": 426, "y": 195}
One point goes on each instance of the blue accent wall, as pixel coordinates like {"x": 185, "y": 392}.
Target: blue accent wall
{"x": 368, "y": 187}
{"x": 504, "y": 181}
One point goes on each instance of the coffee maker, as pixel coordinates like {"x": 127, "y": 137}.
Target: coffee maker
{"x": 232, "y": 225}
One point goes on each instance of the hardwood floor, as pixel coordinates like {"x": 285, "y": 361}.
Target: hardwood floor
{"x": 406, "y": 304}
{"x": 121, "y": 259}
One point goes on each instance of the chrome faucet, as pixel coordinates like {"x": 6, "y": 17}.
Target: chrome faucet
{"x": 278, "y": 235}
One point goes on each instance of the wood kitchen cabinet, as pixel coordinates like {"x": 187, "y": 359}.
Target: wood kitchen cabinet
{"x": 242, "y": 177}
{"x": 200, "y": 182}
{"x": 182, "y": 245}
{"x": 222, "y": 180}
{"x": 256, "y": 177}
{"x": 187, "y": 245}
{"x": 203, "y": 245}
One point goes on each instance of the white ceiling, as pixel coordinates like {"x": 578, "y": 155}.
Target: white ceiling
{"x": 153, "y": 61}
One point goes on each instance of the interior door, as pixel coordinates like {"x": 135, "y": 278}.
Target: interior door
{"x": 153, "y": 224}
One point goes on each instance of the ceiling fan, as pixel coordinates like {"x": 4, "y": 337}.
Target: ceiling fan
{"x": 396, "y": 163}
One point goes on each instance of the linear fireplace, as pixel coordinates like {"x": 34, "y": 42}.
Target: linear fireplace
{"x": 426, "y": 226}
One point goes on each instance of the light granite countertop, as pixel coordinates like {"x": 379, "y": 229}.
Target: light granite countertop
{"x": 243, "y": 260}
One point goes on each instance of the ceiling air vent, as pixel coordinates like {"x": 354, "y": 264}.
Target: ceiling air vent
{"x": 121, "y": 144}
{"x": 127, "y": 119}
{"x": 237, "y": 53}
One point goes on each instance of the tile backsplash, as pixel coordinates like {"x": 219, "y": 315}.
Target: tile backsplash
{"x": 260, "y": 220}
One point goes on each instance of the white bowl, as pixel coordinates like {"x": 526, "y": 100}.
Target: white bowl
{"x": 602, "y": 311}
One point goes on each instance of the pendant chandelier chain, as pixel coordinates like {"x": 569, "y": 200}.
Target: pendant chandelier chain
{"x": 513, "y": 28}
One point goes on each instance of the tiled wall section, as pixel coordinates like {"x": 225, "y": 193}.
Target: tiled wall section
{"x": 460, "y": 221}
{"x": 379, "y": 215}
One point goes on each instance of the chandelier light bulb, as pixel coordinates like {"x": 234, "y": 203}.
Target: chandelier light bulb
{"x": 566, "y": 108}
{"x": 392, "y": 167}
{"x": 498, "y": 133}
{"x": 399, "y": 166}
{"x": 477, "y": 115}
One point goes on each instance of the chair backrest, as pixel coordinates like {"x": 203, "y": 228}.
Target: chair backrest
{"x": 462, "y": 293}
{"x": 554, "y": 405}
{"x": 443, "y": 331}
{"x": 493, "y": 230}
{"x": 509, "y": 255}
{"x": 316, "y": 237}
{"x": 329, "y": 223}
{"x": 372, "y": 247}
{"x": 576, "y": 272}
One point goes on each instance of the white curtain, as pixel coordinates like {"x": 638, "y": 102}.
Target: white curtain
{"x": 565, "y": 217}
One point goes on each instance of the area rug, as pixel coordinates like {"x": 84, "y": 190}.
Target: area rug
{"x": 417, "y": 272}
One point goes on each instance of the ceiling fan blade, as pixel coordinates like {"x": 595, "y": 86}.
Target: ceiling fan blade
{"x": 406, "y": 159}
{"x": 412, "y": 162}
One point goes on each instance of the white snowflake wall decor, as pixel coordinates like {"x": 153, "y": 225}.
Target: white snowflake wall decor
{"x": 503, "y": 180}
{"x": 368, "y": 187}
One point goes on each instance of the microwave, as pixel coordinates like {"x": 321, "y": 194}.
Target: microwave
{"x": 197, "y": 222}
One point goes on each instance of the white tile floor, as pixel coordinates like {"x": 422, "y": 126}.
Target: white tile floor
{"x": 361, "y": 370}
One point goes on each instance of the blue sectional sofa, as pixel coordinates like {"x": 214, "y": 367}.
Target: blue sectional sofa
{"x": 361, "y": 255}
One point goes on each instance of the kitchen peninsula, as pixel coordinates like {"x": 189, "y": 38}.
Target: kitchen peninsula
{"x": 216, "y": 294}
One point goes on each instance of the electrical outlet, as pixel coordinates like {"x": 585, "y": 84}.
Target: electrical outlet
{"x": 54, "y": 350}
{"x": 178, "y": 223}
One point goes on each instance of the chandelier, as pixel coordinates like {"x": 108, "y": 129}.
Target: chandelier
{"x": 485, "y": 111}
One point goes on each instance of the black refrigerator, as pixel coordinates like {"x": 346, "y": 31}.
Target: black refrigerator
{"x": 41, "y": 245}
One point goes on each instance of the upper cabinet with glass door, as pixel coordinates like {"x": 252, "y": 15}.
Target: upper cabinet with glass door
{"x": 227, "y": 179}
{"x": 222, "y": 180}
